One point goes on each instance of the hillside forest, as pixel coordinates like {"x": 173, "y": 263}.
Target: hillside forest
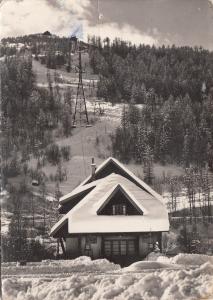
{"x": 174, "y": 124}
{"x": 175, "y": 85}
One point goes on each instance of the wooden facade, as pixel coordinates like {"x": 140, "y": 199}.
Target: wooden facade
{"x": 120, "y": 248}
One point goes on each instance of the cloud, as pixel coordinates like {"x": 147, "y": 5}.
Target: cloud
{"x": 72, "y": 6}
{"x": 60, "y": 16}
{"x": 125, "y": 32}
{"x": 33, "y": 16}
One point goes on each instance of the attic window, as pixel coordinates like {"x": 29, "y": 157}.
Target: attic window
{"x": 119, "y": 209}
{"x": 119, "y": 202}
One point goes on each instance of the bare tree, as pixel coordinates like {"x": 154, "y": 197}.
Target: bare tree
{"x": 57, "y": 196}
{"x": 43, "y": 196}
{"x": 174, "y": 192}
{"x": 33, "y": 210}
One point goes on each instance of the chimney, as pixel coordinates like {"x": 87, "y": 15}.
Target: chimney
{"x": 93, "y": 166}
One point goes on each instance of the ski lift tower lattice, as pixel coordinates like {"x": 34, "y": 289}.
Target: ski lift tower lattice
{"x": 80, "y": 96}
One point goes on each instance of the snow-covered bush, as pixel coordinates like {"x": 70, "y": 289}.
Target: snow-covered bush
{"x": 191, "y": 259}
{"x": 169, "y": 241}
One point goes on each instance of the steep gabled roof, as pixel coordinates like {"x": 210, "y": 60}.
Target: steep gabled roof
{"x": 126, "y": 172}
{"x": 83, "y": 217}
{"x": 87, "y": 185}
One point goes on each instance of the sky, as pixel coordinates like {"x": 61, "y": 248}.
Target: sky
{"x": 179, "y": 22}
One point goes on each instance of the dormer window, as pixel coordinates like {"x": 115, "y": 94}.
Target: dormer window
{"x": 119, "y": 202}
{"x": 119, "y": 209}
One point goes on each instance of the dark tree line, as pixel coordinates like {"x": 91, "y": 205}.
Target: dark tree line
{"x": 174, "y": 85}
{"x": 53, "y": 51}
{"x": 18, "y": 243}
{"x": 29, "y": 114}
{"x": 126, "y": 71}
{"x": 175, "y": 131}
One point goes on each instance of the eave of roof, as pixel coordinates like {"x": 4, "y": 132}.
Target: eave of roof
{"x": 77, "y": 191}
{"x": 58, "y": 225}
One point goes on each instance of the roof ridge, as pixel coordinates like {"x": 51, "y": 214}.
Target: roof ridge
{"x": 130, "y": 173}
{"x": 141, "y": 182}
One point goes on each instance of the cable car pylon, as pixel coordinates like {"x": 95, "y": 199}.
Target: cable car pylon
{"x": 80, "y": 88}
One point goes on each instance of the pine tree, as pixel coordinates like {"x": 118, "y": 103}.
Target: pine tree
{"x": 67, "y": 123}
{"x": 15, "y": 245}
{"x": 43, "y": 197}
{"x": 186, "y": 150}
{"x": 148, "y": 165}
{"x": 140, "y": 144}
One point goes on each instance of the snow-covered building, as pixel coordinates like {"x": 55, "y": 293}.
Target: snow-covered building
{"x": 111, "y": 214}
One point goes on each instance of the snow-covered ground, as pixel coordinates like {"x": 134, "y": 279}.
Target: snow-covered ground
{"x": 5, "y": 221}
{"x": 184, "y": 276}
{"x": 111, "y": 112}
{"x": 18, "y": 46}
{"x": 182, "y": 200}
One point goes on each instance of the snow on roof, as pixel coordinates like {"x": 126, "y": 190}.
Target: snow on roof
{"x": 83, "y": 217}
{"x": 128, "y": 172}
{"x": 78, "y": 190}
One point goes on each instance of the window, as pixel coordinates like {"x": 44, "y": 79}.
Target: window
{"x": 123, "y": 248}
{"x": 119, "y": 203}
{"x": 91, "y": 239}
{"x": 119, "y": 247}
{"x": 119, "y": 209}
{"x": 107, "y": 248}
{"x": 131, "y": 247}
{"x": 115, "y": 248}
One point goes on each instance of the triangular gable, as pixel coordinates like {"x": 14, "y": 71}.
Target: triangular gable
{"x": 119, "y": 195}
{"x": 112, "y": 165}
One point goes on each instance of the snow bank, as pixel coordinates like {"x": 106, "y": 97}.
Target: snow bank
{"x": 191, "y": 259}
{"x": 163, "y": 284}
{"x": 144, "y": 265}
{"x": 153, "y": 256}
{"x": 83, "y": 264}
{"x": 80, "y": 264}
{"x": 181, "y": 259}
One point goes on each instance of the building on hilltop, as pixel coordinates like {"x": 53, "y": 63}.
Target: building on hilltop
{"x": 47, "y": 33}
{"x": 112, "y": 214}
